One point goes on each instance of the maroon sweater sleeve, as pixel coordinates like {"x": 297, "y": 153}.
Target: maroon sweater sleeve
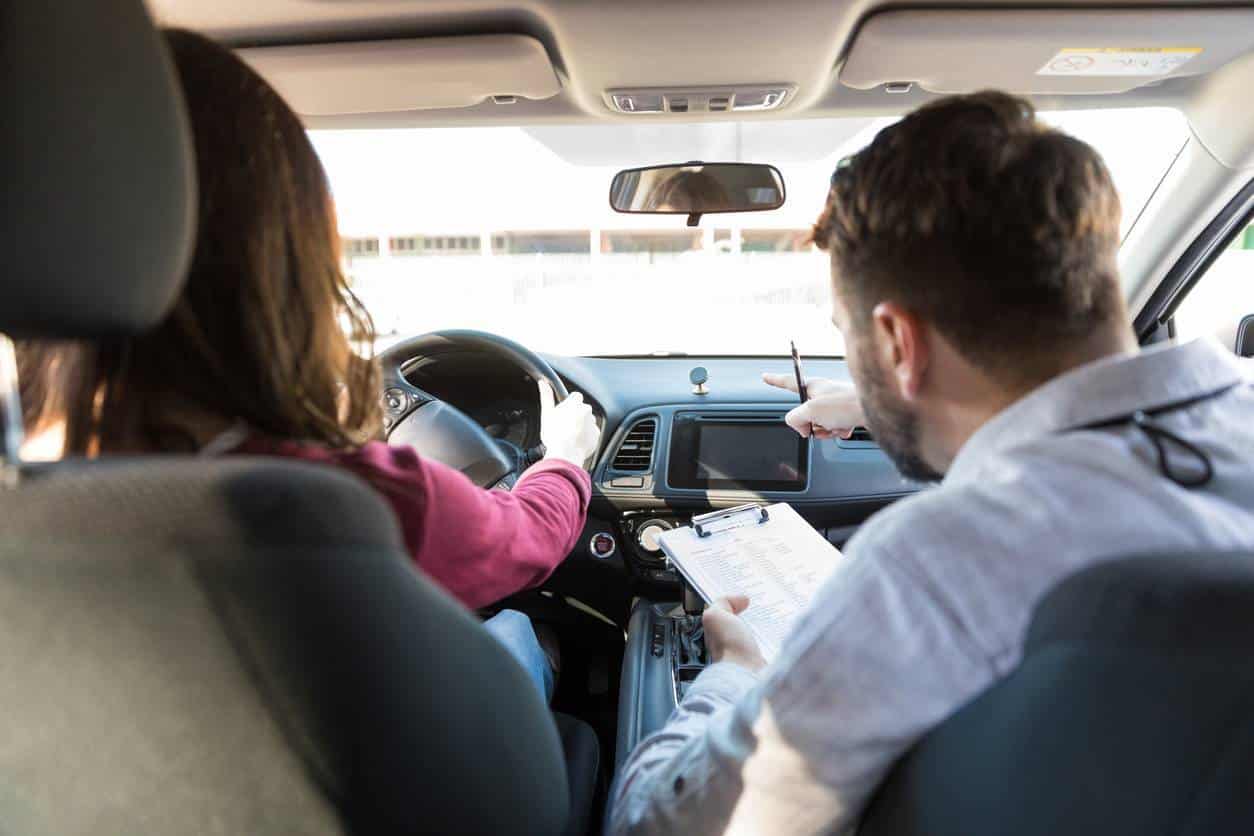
{"x": 478, "y": 544}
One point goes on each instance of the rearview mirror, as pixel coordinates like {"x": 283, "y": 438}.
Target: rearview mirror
{"x": 697, "y": 189}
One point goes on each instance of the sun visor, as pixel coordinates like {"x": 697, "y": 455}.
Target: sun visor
{"x": 1042, "y": 51}
{"x": 414, "y": 74}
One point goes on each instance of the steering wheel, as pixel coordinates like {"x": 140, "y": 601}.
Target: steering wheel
{"x": 439, "y": 430}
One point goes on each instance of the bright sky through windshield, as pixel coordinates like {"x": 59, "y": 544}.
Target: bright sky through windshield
{"x": 509, "y": 230}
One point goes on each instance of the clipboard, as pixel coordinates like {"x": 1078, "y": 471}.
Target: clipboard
{"x": 769, "y": 553}
{"x": 750, "y": 514}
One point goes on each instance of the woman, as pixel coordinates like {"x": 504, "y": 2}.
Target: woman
{"x": 256, "y": 357}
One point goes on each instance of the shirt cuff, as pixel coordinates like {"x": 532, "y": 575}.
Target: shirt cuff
{"x": 724, "y": 681}
{"x": 577, "y": 476}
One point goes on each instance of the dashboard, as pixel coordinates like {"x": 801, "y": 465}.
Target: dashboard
{"x": 669, "y": 452}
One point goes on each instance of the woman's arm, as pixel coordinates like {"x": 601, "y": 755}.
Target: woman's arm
{"x": 480, "y": 545}
{"x": 484, "y": 545}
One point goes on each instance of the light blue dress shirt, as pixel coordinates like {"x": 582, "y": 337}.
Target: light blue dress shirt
{"x": 932, "y": 602}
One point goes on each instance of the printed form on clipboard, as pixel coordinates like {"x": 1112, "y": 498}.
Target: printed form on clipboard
{"x": 769, "y": 553}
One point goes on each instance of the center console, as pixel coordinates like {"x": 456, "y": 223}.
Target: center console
{"x": 665, "y": 652}
{"x": 690, "y": 459}
{"x": 667, "y": 463}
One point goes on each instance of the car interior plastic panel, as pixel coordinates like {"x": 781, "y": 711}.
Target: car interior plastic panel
{"x": 959, "y": 51}
{"x": 647, "y": 691}
{"x": 422, "y": 73}
{"x": 1245, "y": 337}
{"x": 839, "y": 470}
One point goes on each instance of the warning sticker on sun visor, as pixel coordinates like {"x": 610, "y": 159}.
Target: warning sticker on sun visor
{"x": 1110, "y": 61}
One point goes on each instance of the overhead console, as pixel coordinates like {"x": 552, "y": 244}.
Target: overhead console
{"x": 699, "y": 99}
{"x": 1042, "y": 51}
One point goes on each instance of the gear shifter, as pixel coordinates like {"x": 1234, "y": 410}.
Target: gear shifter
{"x": 693, "y": 604}
{"x": 691, "y": 644}
{"x": 689, "y": 628}
{"x": 689, "y": 657}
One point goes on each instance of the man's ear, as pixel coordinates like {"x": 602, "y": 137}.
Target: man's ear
{"x": 901, "y": 339}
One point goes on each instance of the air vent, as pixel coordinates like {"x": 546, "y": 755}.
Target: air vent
{"x": 635, "y": 454}
{"x": 860, "y": 434}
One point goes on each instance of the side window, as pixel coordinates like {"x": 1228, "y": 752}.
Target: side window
{"x": 1223, "y": 295}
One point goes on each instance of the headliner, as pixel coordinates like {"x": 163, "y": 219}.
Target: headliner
{"x": 644, "y": 43}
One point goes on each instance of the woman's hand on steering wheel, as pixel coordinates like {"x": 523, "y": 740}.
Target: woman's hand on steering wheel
{"x": 442, "y": 432}
{"x": 567, "y": 429}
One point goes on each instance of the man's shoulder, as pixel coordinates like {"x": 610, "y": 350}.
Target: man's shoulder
{"x": 1074, "y": 488}
{"x": 981, "y": 551}
{"x": 1030, "y": 485}
{"x": 918, "y": 519}
{"x": 1020, "y": 495}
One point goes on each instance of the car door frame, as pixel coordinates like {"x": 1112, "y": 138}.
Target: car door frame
{"x": 1155, "y": 321}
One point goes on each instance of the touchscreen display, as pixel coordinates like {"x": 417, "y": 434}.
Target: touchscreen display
{"x": 737, "y": 455}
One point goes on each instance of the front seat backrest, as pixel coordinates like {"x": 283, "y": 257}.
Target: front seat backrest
{"x": 1132, "y": 713}
{"x": 241, "y": 647}
{"x": 195, "y": 646}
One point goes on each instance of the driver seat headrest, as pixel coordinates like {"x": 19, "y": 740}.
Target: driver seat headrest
{"x": 97, "y": 166}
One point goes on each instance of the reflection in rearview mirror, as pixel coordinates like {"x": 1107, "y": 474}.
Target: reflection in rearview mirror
{"x": 697, "y": 189}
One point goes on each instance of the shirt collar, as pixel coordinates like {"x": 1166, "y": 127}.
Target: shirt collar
{"x": 1104, "y": 390}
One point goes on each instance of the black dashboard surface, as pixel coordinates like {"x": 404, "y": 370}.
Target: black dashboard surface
{"x": 624, "y": 384}
{"x": 847, "y": 480}
{"x": 848, "y": 476}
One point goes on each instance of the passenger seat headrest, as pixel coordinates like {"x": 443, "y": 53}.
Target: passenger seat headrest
{"x": 97, "y": 167}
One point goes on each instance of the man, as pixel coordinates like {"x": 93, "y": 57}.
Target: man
{"x": 974, "y": 278}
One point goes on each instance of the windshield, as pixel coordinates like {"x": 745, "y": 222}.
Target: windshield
{"x": 509, "y": 230}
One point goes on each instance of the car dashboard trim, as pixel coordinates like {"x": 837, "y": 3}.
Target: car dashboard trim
{"x": 857, "y": 472}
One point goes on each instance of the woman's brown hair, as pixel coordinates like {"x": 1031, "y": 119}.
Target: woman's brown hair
{"x": 267, "y": 330}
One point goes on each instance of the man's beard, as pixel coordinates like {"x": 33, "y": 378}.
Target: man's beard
{"x": 894, "y": 425}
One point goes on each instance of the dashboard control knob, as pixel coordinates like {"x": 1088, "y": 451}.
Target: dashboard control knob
{"x": 647, "y": 534}
{"x": 602, "y": 545}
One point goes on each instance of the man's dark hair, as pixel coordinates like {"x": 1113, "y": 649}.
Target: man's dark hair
{"x": 995, "y": 228}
